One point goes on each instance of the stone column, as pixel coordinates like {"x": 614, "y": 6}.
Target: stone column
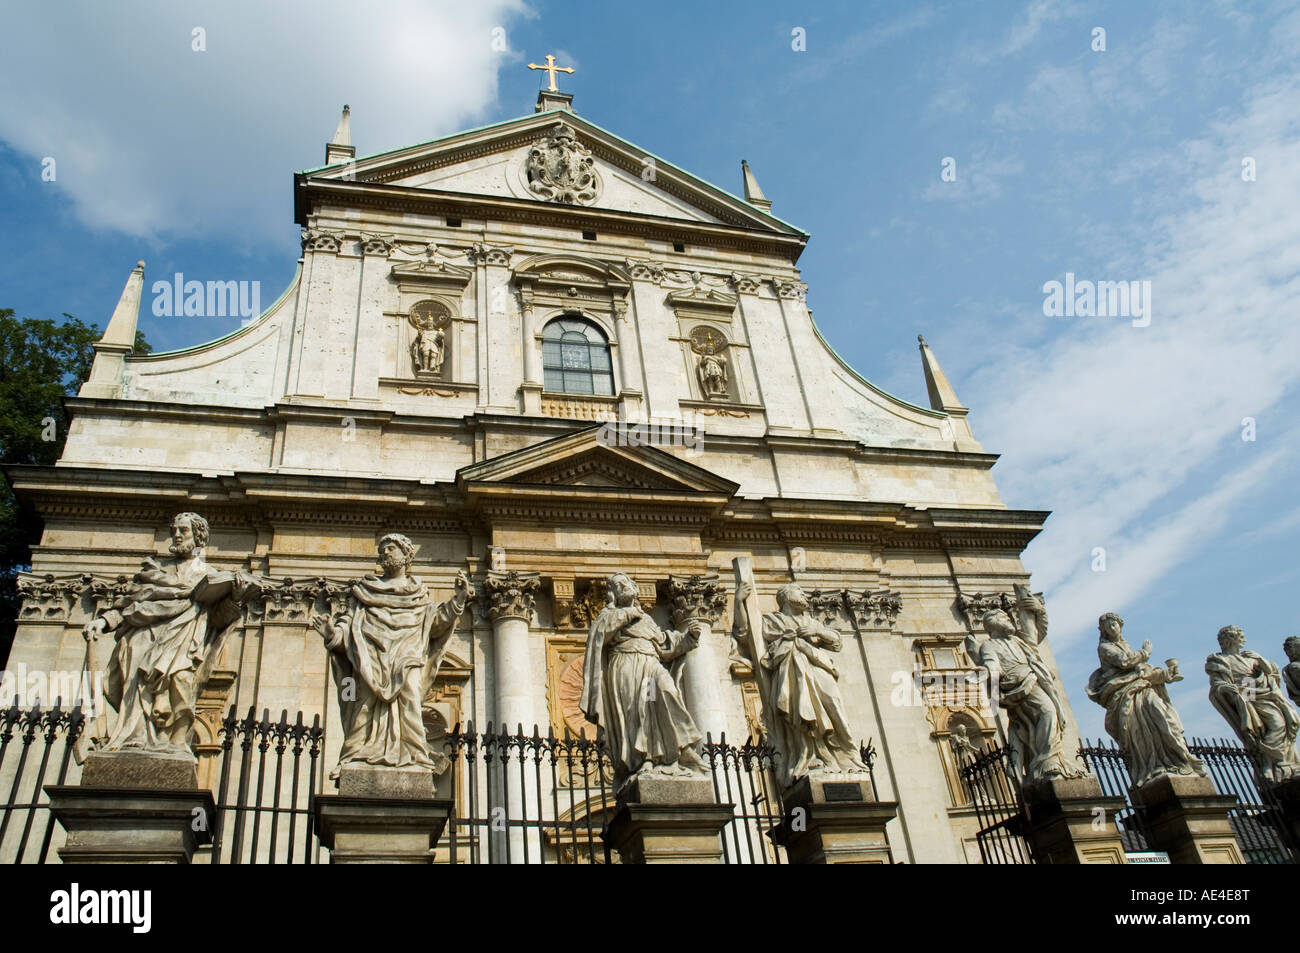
{"x": 510, "y": 598}
{"x": 629, "y": 369}
{"x": 702, "y": 599}
{"x": 1072, "y": 822}
{"x": 1188, "y": 819}
{"x": 133, "y": 808}
{"x": 532, "y": 387}
{"x": 835, "y": 820}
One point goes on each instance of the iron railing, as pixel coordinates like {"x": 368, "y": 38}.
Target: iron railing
{"x": 25, "y": 731}
{"x": 990, "y": 779}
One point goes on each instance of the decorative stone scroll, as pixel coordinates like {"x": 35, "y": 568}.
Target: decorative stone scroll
{"x": 695, "y": 598}
{"x": 561, "y": 169}
{"x": 510, "y": 595}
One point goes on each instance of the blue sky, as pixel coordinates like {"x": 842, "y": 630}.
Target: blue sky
{"x": 1122, "y": 164}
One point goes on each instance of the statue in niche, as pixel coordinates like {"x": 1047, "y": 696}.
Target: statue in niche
{"x": 630, "y": 687}
{"x": 430, "y": 320}
{"x": 713, "y": 376}
{"x": 168, "y": 631}
{"x": 809, "y": 725}
{"x": 385, "y": 650}
{"x": 1291, "y": 673}
{"x": 1139, "y": 714}
{"x": 963, "y": 749}
{"x": 711, "y": 368}
{"x": 1246, "y": 689}
{"x": 1025, "y": 687}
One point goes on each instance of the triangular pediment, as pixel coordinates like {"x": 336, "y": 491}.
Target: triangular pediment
{"x": 555, "y": 157}
{"x": 592, "y": 460}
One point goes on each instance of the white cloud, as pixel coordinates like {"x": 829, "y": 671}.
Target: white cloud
{"x": 155, "y": 139}
{"x": 1109, "y": 424}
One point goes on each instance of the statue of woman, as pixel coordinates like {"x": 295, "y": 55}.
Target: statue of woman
{"x": 630, "y": 690}
{"x": 1139, "y": 715}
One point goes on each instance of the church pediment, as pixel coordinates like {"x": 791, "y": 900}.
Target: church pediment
{"x": 592, "y": 460}
{"x": 555, "y": 158}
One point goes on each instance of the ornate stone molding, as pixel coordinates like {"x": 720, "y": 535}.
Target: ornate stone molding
{"x": 373, "y": 244}
{"x": 746, "y": 284}
{"x": 877, "y": 609}
{"x": 48, "y": 597}
{"x": 789, "y": 288}
{"x": 510, "y": 595}
{"x": 319, "y": 240}
{"x": 644, "y": 270}
{"x": 493, "y": 254}
{"x": 973, "y": 607}
{"x": 695, "y": 598}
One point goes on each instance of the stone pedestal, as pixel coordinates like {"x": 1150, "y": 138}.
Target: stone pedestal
{"x": 1288, "y": 798}
{"x": 133, "y": 807}
{"x": 665, "y": 820}
{"x": 381, "y": 815}
{"x": 835, "y": 820}
{"x": 1072, "y": 822}
{"x": 1188, "y": 820}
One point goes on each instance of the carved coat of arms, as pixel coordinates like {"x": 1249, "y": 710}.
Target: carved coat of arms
{"x": 561, "y": 169}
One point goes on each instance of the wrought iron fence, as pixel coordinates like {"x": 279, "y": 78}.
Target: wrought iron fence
{"x": 38, "y": 736}
{"x": 746, "y": 776}
{"x": 1108, "y": 764}
{"x": 1257, "y": 820}
{"x": 284, "y": 802}
{"x": 990, "y": 778}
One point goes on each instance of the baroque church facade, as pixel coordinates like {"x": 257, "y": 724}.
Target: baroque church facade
{"x": 546, "y": 356}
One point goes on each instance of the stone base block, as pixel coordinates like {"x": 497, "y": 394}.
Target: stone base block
{"x": 835, "y": 819}
{"x": 1063, "y": 823}
{"x": 381, "y": 781}
{"x": 1188, "y": 819}
{"x": 123, "y": 826}
{"x": 666, "y": 820}
{"x": 154, "y": 770}
{"x": 374, "y": 830}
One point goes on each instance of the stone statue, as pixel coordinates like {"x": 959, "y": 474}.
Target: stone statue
{"x": 809, "y": 725}
{"x": 963, "y": 748}
{"x": 426, "y": 350}
{"x": 168, "y": 629}
{"x": 629, "y": 686}
{"x": 1245, "y": 688}
{"x": 1291, "y": 673}
{"x": 1139, "y": 715}
{"x": 713, "y": 376}
{"x": 1026, "y": 688}
{"x": 385, "y": 649}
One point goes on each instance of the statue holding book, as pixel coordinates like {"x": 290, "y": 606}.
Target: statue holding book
{"x": 167, "y": 630}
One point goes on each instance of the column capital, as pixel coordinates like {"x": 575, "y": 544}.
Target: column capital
{"x": 697, "y": 598}
{"x": 510, "y": 595}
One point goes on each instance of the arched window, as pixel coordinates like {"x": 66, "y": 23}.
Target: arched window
{"x": 575, "y": 357}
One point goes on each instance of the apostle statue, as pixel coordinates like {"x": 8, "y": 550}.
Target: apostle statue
{"x": 1246, "y": 689}
{"x": 630, "y": 687}
{"x": 1026, "y": 688}
{"x": 385, "y": 649}
{"x": 1139, "y": 715}
{"x": 1291, "y": 672}
{"x": 809, "y": 725}
{"x": 713, "y": 376}
{"x": 168, "y": 630}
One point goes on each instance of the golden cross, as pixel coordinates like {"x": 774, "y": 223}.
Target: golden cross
{"x": 551, "y": 70}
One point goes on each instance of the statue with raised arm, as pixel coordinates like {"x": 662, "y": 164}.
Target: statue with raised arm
{"x": 630, "y": 688}
{"x": 385, "y": 649}
{"x": 168, "y": 630}
{"x": 809, "y": 725}
{"x": 1139, "y": 714}
{"x": 1246, "y": 689}
{"x": 1025, "y": 687}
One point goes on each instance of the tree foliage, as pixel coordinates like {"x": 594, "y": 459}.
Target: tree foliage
{"x": 41, "y": 362}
